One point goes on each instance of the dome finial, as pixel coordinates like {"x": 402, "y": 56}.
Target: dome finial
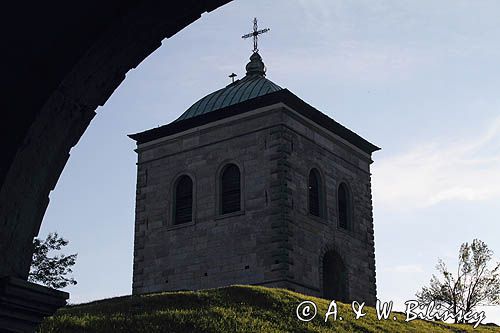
{"x": 256, "y": 65}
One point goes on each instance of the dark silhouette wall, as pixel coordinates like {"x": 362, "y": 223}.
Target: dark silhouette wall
{"x": 63, "y": 60}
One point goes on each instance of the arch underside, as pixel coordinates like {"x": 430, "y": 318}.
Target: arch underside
{"x": 63, "y": 60}
{"x": 50, "y": 112}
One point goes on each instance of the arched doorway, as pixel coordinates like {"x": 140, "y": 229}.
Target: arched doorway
{"x": 335, "y": 286}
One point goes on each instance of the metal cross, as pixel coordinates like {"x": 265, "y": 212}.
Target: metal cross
{"x": 255, "y": 34}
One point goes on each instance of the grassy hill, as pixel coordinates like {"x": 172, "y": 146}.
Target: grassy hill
{"x": 231, "y": 309}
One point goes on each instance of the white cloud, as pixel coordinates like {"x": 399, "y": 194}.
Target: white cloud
{"x": 430, "y": 173}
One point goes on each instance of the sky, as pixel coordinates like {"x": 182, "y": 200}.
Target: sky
{"x": 420, "y": 79}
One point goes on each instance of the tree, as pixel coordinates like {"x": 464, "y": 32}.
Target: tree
{"x": 474, "y": 283}
{"x": 51, "y": 271}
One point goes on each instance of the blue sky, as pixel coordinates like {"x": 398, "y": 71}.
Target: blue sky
{"x": 418, "y": 78}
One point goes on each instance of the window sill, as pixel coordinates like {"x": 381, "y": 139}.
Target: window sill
{"x": 180, "y": 226}
{"x": 317, "y": 218}
{"x": 345, "y": 231}
{"x": 238, "y": 213}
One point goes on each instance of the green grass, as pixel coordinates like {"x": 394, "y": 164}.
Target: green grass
{"x": 231, "y": 309}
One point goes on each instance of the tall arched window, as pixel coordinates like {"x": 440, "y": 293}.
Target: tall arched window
{"x": 344, "y": 204}
{"x": 230, "y": 189}
{"x": 183, "y": 200}
{"x": 315, "y": 194}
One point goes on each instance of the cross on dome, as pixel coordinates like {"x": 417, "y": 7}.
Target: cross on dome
{"x": 255, "y": 34}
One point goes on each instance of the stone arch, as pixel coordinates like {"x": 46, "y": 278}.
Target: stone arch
{"x": 334, "y": 274}
{"x": 56, "y": 126}
{"x": 67, "y": 83}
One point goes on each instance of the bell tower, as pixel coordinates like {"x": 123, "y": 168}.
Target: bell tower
{"x": 251, "y": 185}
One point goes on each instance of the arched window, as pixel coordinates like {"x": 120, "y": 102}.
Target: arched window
{"x": 344, "y": 204}
{"x": 315, "y": 194}
{"x": 183, "y": 200}
{"x": 230, "y": 189}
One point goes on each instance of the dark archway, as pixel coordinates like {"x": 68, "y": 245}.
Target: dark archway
{"x": 62, "y": 61}
{"x": 82, "y": 58}
{"x": 335, "y": 282}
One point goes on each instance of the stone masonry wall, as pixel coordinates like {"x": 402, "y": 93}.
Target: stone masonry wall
{"x": 273, "y": 241}
{"x": 214, "y": 250}
{"x": 311, "y": 236}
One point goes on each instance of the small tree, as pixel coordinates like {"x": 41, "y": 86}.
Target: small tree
{"x": 474, "y": 283}
{"x": 51, "y": 271}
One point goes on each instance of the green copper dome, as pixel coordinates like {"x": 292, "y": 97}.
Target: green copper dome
{"x": 254, "y": 84}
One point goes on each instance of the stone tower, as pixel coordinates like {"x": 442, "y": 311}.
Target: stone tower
{"x": 251, "y": 185}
